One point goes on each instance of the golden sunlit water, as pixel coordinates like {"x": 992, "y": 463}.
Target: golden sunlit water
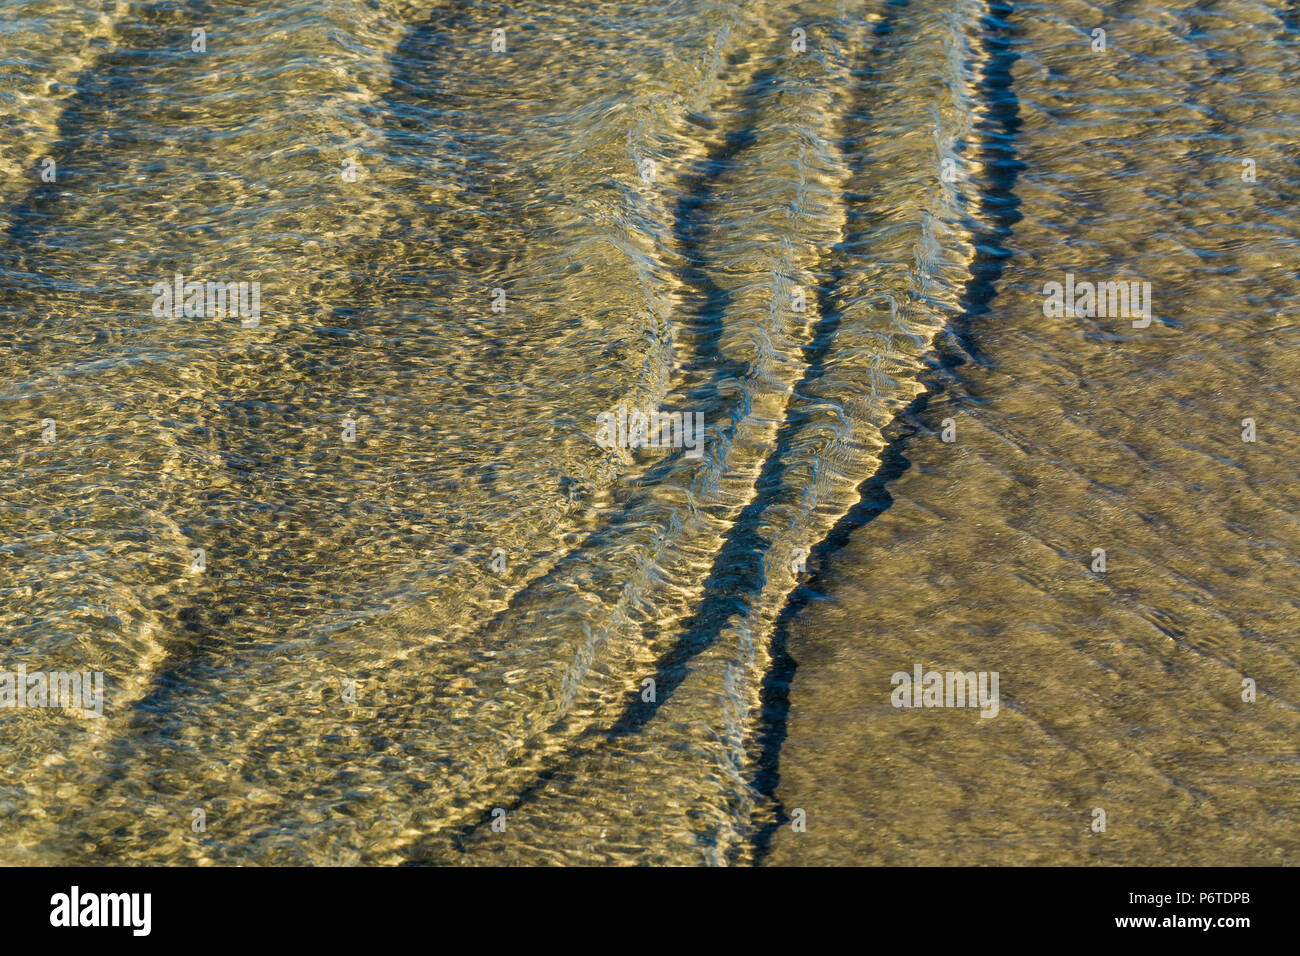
{"x": 368, "y": 584}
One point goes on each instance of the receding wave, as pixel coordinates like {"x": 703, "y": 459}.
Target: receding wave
{"x": 362, "y": 572}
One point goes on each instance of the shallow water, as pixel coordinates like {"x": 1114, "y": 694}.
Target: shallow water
{"x": 454, "y": 614}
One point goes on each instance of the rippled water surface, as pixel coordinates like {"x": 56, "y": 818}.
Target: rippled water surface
{"x": 823, "y": 226}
